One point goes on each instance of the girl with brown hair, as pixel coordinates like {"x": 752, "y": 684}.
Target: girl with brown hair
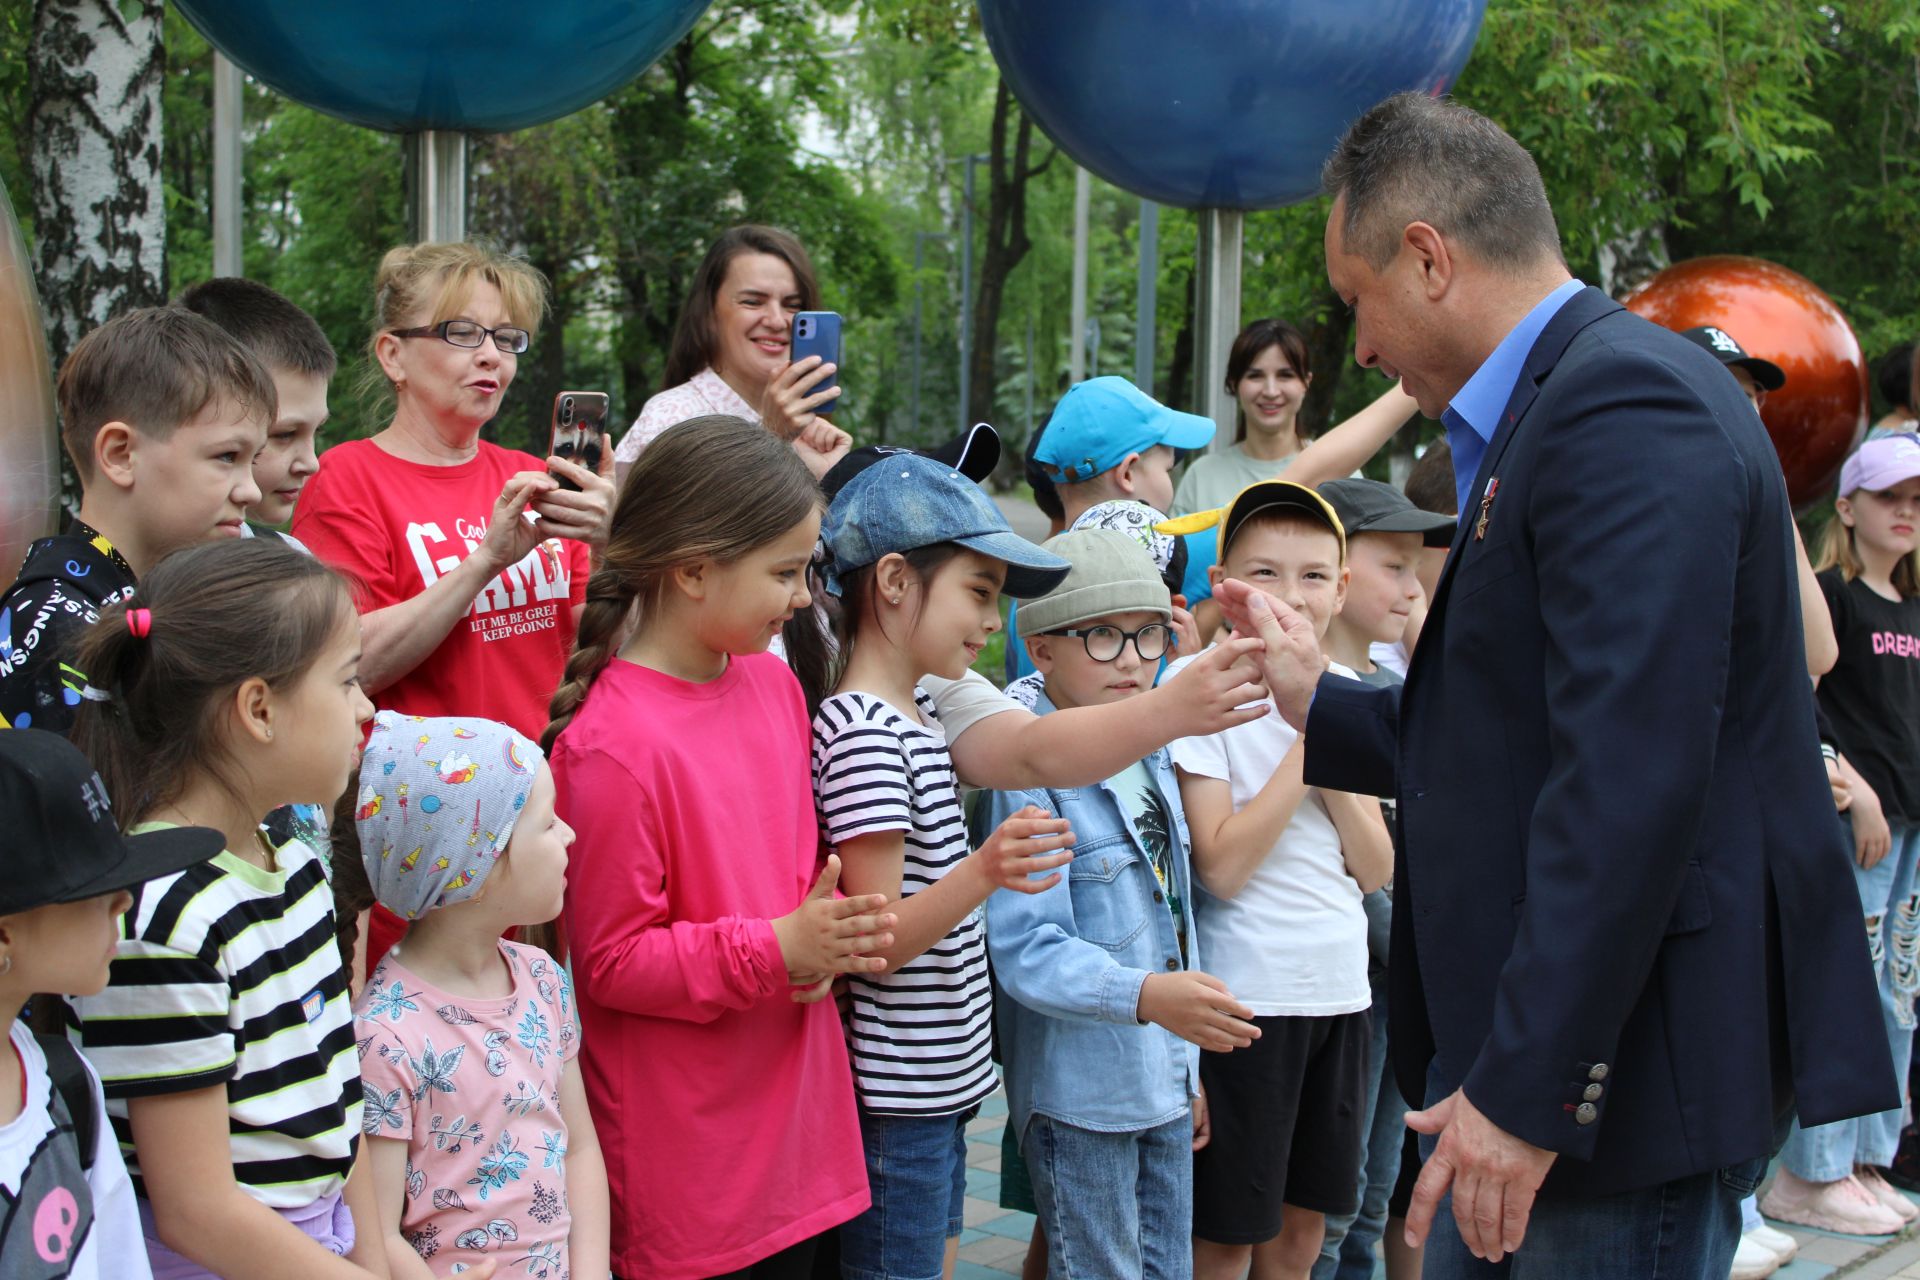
{"x": 701, "y": 922}
{"x": 224, "y": 1037}
{"x": 730, "y": 350}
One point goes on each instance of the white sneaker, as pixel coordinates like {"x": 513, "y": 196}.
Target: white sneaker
{"x": 1753, "y": 1261}
{"x": 1778, "y": 1243}
{"x": 1886, "y": 1193}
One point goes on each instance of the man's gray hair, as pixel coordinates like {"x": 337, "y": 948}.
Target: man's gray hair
{"x": 1416, "y": 158}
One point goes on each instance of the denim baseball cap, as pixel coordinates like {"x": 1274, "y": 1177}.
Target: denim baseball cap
{"x": 905, "y": 501}
{"x": 1102, "y": 420}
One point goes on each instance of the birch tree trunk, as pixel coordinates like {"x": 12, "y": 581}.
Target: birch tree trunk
{"x": 99, "y": 207}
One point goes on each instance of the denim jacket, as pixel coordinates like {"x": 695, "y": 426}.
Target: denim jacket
{"x": 1070, "y": 963}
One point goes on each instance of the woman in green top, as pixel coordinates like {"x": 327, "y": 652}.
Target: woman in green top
{"x": 1268, "y": 371}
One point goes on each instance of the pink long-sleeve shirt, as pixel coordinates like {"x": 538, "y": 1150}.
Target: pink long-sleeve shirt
{"x": 726, "y": 1110}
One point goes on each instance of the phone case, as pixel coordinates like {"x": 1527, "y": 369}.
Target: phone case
{"x": 579, "y": 430}
{"x": 817, "y": 333}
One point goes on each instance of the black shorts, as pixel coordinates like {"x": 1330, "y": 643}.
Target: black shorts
{"x": 1288, "y": 1115}
{"x": 1402, "y": 1198}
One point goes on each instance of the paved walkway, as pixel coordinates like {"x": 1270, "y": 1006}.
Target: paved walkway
{"x": 995, "y": 1239}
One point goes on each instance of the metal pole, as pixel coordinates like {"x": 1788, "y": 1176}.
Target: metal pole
{"x": 437, "y": 184}
{"x": 1030, "y": 417}
{"x": 919, "y": 247}
{"x": 1146, "y": 296}
{"x": 966, "y": 295}
{"x": 1217, "y": 316}
{"x": 1082, "y": 202}
{"x": 228, "y": 110}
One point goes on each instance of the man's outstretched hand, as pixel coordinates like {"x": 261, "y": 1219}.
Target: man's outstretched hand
{"x": 1290, "y": 656}
{"x": 1494, "y": 1177}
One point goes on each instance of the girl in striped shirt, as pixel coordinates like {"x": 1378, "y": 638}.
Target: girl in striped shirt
{"x": 919, "y": 559}
{"x": 224, "y": 1038}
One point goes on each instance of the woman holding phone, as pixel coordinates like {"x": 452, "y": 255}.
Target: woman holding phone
{"x": 731, "y": 351}
{"x": 470, "y": 560}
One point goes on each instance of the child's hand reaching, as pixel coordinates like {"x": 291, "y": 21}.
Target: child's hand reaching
{"x": 826, "y": 935}
{"x": 1197, "y": 1007}
{"x": 1019, "y": 847}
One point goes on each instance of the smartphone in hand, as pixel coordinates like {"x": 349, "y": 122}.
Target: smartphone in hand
{"x": 817, "y": 333}
{"x": 579, "y": 430}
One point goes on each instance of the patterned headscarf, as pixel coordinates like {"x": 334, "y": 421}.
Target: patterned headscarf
{"x": 438, "y": 800}
{"x": 1137, "y": 521}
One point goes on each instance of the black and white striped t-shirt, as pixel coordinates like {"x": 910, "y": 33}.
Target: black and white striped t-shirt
{"x": 920, "y": 1037}
{"x": 228, "y": 974}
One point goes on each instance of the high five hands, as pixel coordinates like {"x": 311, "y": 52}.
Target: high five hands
{"x": 1290, "y": 656}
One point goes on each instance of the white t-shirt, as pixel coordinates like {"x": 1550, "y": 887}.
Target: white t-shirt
{"x": 60, "y": 1221}
{"x": 1294, "y": 940}
{"x": 1391, "y": 656}
{"x": 920, "y": 1036}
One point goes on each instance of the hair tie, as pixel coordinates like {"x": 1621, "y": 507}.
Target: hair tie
{"x": 139, "y": 623}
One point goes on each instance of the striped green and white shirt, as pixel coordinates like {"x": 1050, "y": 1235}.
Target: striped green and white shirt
{"x": 228, "y": 974}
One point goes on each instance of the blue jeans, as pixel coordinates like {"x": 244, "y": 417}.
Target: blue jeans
{"x": 1681, "y": 1230}
{"x": 1891, "y": 900}
{"x": 1346, "y": 1253}
{"x": 917, "y": 1175}
{"x": 1114, "y": 1204}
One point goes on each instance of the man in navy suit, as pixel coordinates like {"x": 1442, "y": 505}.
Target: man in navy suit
{"x": 1626, "y": 943}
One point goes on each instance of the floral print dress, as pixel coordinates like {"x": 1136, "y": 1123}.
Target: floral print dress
{"x": 473, "y": 1088}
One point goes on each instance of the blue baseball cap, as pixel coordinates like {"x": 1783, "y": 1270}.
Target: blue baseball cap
{"x": 905, "y": 501}
{"x": 1102, "y": 420}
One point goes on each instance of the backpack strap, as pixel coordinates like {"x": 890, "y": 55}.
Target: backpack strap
{"x": 68, "y": 1072}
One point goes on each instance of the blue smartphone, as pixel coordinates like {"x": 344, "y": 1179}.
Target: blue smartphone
{"x": 817, "y": 333}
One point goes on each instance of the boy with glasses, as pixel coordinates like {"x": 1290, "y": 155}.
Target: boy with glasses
{"x": 1107, "y": 1007}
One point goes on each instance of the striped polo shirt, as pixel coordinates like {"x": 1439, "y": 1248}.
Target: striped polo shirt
{"x": 920, "y": 1036}
{"x": 228, "y": 974}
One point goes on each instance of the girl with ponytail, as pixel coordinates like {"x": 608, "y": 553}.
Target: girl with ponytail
{"x": 702, "y": 922}
{"x": 224, "y": 1038}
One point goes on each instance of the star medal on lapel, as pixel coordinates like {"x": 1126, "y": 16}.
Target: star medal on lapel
{"x": 1486, "y": 508}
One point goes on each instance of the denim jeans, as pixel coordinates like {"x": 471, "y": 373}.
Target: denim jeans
{"x": 917, "y": 1175}
{"x": 1114, "y": 1204}
{"x": 1891, "y": 900}
{"x": 1346, "y": 1253}
{"x": 1686, "y": 1229}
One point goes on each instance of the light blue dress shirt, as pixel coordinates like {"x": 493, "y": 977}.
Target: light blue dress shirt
{"x": 1474, "y": 415}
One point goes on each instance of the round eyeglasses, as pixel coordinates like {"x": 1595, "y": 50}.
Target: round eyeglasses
{"x": 1104, "y": 643}
{"x": 470, "y": 333}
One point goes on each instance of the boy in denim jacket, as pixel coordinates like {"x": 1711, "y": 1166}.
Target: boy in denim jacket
{"x": 1106, "y": 1001}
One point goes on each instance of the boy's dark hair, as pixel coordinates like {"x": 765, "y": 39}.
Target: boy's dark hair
{"x": 265, "y": 322}
{"x": 1893, "y": 377}
{"x": 216, "y": 616}
{"x": 1250, "y": 343}
{"x": 1430, "y": 484}
{"x": 1045, "y": 496}
{"x": 155, "y": 369}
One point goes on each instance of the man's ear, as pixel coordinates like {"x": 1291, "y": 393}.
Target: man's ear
{"x": 1433, "y": 256}
{"x": 114, "y": 447}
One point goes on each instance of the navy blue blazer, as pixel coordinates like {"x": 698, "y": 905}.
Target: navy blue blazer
{"x": 1623, "y": 916}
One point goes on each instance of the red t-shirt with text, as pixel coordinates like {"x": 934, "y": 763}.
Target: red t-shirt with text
{"x": 395, "y": 527}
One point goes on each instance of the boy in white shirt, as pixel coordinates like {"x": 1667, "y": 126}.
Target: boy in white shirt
{"x": 1281, "y": 868}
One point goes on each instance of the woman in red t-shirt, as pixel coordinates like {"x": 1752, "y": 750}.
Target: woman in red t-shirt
{"x": 471, "y": 560}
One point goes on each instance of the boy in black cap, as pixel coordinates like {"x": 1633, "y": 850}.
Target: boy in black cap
{"x": 1385, "y": 536}
{"x": 1756, "y": 376}
{"x": 66, "y": 1204}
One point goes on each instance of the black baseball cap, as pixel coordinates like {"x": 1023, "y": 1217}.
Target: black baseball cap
{"x": 1368, "y": 506}
{"x": 973, "y": 453}
{"x": 62, "y": 843}
{"x": 1769, "y": 375}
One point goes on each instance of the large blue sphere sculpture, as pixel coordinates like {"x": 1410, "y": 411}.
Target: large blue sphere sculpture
{"x": 1219, "y": 103}
{"x": 405, "y": 65}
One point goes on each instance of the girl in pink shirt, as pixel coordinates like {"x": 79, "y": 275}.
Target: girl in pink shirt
{"x": 703, "y": 925}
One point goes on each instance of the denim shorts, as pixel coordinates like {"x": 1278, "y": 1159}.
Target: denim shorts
{"x": 917, "y": 1175}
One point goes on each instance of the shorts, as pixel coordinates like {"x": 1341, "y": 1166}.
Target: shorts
{"x": 917, "y": 1174}
{"x": 1288, "y": 1115}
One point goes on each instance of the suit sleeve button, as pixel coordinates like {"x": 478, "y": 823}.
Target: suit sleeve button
{"x": 1586, "y": 1113}
{"x": 1592, "y": 1093}
{"x": 1598, "y": 1072}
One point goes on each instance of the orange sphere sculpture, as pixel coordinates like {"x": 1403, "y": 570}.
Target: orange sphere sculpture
{"x": 1779, "y": 315}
